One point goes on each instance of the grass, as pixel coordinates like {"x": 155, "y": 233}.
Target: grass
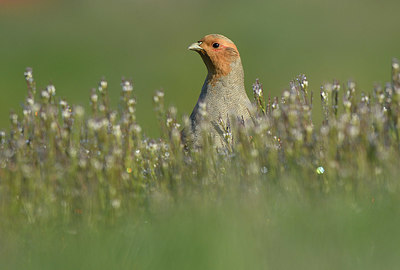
{"x": 89, "y": 189}
{"x": 323, "y": 39}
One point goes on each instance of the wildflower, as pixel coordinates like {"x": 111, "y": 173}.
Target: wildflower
{"x": 276, "y": 113}
{"x": 160, "y": 94}
{"x": 131, "y": 102}
{"x": 43, "y": 115}
{"x": 127, "y": 86}
{"x": 354, "y": 131}
{"x": 152, "y": 146}
{"x": 351, "y": 88}
{"x": 96, "y": 164}
{"x": 336, "y": 86}
{"x": 286, "y": 94}
{"x": 302, "y": 80}
{"x": 324, "y": 130}
{"x": 227, "y": 136}
{"x": 324, "y": 95}
{"x": 82, "y": 163}
{"x": 297, "y": 134}
{"x": 26, "y": 112}
{"x": 169, "y": 122}
{"x": 28, "y": 75}
{"x": 173, "y": 111}
{"x": 104, "y": 122}
{"x": 117, "y": 131}
{"x": 264, "y": 170}
{"x": 320, "y": 170}
{"x": 66, "y": 114}
{"x": 2, "y": 136}
{"x": 113, "y": 116}
{"x": 347, "y": 104}
{"x": 51, "y": 89}
{"x": 102, "y": 85}
{"x": 309, "y": 128}
{"x": 63, "y": 104}
{"x": 304, "y": 83}
{"x": 257, "y": 89}
{"x": 79, "y": 111}
{"x": 92, "y": 124}
{"x": 30, "y": 101}
{"x": 94, "y": 98}
{"x": 45, "y": 95}
{"x": 137, "y": 128}
{"x": 116, "y": 203}
{"x": 14, "y": 118}
{"x": 275, "y": 104}
{"x": 395, "y": 65}
{"x": 364, "y": 98}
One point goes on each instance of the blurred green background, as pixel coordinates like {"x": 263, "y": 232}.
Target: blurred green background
{"x": 74, "y": 43}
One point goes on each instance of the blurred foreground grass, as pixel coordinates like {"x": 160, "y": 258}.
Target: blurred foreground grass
{"x": 278, "y": 232}
{"x": 89, "y": 190}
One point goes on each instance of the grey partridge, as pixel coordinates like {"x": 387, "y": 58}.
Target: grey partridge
{"x": 223, "y": 95}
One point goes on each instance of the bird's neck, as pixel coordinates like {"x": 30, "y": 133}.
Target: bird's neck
{"x": 225, "y": 85}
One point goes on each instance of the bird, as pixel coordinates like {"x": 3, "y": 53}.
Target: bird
{"x": 223, "y": 95}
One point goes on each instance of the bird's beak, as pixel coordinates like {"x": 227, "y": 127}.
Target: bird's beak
{"x": 195, "y": 47}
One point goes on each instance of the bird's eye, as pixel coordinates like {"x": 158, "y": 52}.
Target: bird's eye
{"x": 215, "y": 45}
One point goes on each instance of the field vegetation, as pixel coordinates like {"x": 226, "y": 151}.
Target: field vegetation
{"x": 87, "y": 189}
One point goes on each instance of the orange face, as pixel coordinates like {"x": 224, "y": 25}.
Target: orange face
{"x": 216, "y": 45}
{"x": 217, "y": 51}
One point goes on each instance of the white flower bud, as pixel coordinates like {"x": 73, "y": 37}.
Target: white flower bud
{"x": 51, "y": 89}
{"x": 94, "y": 98}
{"x": 127, "y": 86}
{"x": 45, "y": 94}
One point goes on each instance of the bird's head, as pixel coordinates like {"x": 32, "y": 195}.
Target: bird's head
{"x": 218, "y": 53}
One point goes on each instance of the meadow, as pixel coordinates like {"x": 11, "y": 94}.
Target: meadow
{"x": 94, "y": 174}
{"x": 87, "y": 189}
{"x": 72, "y": 44}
